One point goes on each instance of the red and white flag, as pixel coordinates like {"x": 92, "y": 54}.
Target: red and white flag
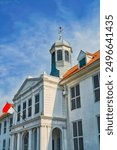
{"x": 8, "y": 108}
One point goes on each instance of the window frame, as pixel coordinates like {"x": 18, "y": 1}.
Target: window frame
{"x": 29, "y": 107}
{"x": 59, "y": 55}
{"x": 5, "y": 126}
{"x": 98, "y": 126}
{"x": 77, "y": 98}
{"x": 96, "y": 88}
{"x": 24, "y": 110}
{"x": 4, "y": 144}
{"x": 37, "y": 104}
{"x": 78, "y": 135}
{"x": 82, "y": 62}
{"x": 18, "y": 113}
{"x": 67, "y": 59}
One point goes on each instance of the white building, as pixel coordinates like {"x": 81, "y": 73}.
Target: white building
{"x": 5, "y": 128}
{"x": 59, "y": 111}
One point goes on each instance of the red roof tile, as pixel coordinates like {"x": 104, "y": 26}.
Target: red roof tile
{"x": 75, "y": 69}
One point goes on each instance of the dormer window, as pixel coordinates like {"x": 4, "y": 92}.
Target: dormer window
{"x": 59, "y": 55}
{"x": 67, "y": 56}
{"x": 82, "y": 62}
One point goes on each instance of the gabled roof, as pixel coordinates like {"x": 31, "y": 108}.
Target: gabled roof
{"x": 28, "y": 83}
{"x": 75, "y": 69}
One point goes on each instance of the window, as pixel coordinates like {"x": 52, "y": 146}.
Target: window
{"x": 98, "y": 125}
{"x": 29, "y": 107}
{"x": 24, "y": 110}
{"x": 4, "y": 144}
{"x": 36, "y": 103}
{"x": 5, "y": 123}
{"x": 18, "y": 112}
{"x": 11, "y": 122}
{"x": 66, "y": 56}
{"x": 82, "y": 62}
{"x": 53, "y": 58}
{"x": 59, "y": 55}
{"x": 96, "y": 87}
{"x": 0, "y": 128}
{"x": 9, "y": 145}
{"x": 75, "y": 97}
{"x": 78, "y": 135}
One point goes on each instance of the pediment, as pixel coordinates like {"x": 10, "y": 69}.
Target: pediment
{"x": 81, "y": 55}
{"x": 27, "y": 84}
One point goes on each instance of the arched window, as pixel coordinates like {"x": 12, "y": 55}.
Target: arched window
{"x": 25, "y": 141}
{"x": 59, "y": 55}
{"x": 66, "y": 56}
{"x": 56, "y": 139}
{"x": 53, "y": 57}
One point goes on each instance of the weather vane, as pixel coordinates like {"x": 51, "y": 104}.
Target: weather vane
{"x": 60, "y": 32}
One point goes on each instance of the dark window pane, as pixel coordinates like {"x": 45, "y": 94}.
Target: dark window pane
{"x": 82, "y": 62}
{"x": 81, "y": 146}
{"x": 19, "y": 108}
{"x": 66, "y": 56}
{"x": 72, "y": 92}
{"x": 29, "y": 112}
{"x": 77, "y": 90}
{"x": 24, "y": 114}
{"x": 74, "y": 129}
{"x": 80, "y": 128}
{"x": 72, "y": 104}
{"x": 78, "y": 104}
{"x": 97, "y": 95}
{"x": 98, "y": 122}
{"x": 24, "y": 105}
{"x": 29, "y": 102}
{"x": 59, "y": 55}
{"x": 36, "y": 108}
{"x": 18, "y": 117}
{"x": 96, "y": 81}
{"x": 75, "y": 144}
{"x": 36, "y": 98}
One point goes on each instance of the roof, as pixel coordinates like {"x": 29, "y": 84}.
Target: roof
{"x": 61, "y": 43}
{"x": 75, "y": 69}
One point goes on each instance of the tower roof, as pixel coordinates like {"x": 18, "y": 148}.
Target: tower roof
{"x": 61, "y": 42}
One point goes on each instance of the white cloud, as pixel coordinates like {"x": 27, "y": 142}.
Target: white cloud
{"x": 29, "y": 53}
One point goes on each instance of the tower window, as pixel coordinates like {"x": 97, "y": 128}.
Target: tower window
{"x": 59, "y": 55}
{"x": 66, "y": 56}
{"x": 53, "y": 57}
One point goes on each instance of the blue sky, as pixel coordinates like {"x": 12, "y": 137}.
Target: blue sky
{"x": 28, "y": 28}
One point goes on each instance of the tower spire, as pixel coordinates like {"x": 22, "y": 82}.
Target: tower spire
{"x": 60, "y": 33}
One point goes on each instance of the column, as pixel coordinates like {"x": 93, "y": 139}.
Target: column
{"x": 43, "y": 142}
{"x": 49, "y": 140}
{"x": 38, "y": 140}
{"x": 64, "y": 139}
{"x": 18, "y": 142}
{"x": 30, "y": 140}
{"x": 12, "y": 142}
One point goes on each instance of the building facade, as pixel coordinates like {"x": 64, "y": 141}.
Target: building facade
{"x": 60, "y": 111}
{"x": 6, "y": 121}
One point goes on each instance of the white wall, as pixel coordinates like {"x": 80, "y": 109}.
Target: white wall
{"x": 87, "y": 113}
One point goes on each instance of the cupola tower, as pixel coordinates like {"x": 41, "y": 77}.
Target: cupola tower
{"x": 60, "y": 56}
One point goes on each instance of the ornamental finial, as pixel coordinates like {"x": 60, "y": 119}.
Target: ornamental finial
{"x": 60, "y": 33}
